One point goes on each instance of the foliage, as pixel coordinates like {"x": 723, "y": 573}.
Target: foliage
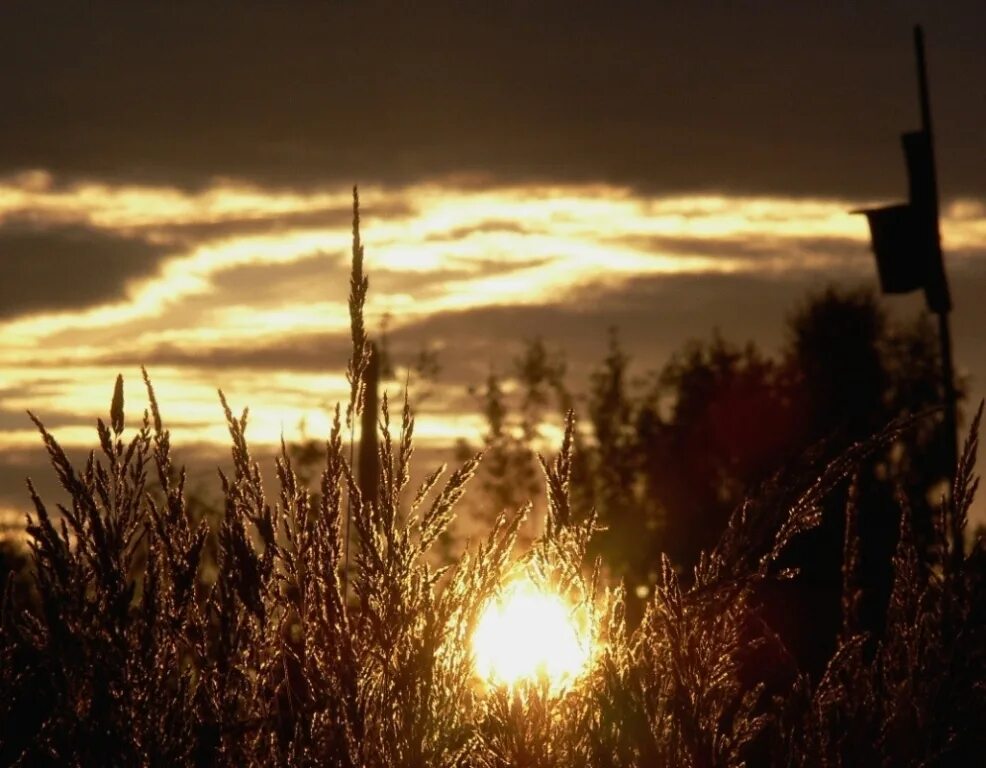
{"x": 666, "y": 462}
{"x": 132, "y": 658}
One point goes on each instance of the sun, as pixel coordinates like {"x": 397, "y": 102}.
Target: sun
{"x": 526, "y": 634}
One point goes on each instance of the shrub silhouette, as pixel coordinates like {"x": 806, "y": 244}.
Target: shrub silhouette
{"x": 132, "y": 657}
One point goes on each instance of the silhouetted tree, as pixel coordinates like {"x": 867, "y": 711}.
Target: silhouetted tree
{"x": 727, "y": 425}
{"x": 666, "y": 465}
{"x": 853, "y": 372}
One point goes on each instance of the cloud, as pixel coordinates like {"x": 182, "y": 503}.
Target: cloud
{"x": 265, "y": 223}
{"x": 60, "y": 267}
{"x": 261, "y": 310}
{"x": 779, "y": 99}
{"x": 294, "y": 352}
{"x": 654, "y": 314}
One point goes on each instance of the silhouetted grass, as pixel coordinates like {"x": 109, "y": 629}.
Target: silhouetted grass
{"x": 132, "y": 657}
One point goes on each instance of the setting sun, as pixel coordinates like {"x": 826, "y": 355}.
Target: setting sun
{"x": 526, "y": 633}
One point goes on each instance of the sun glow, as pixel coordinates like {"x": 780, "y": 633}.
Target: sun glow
{"x": 528, "y": 634}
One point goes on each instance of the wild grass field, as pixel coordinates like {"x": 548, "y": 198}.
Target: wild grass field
{"x": 149, "y": 637}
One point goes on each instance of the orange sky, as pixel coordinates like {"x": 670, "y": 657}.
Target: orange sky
{"x": 245, "y": 288}
{"x": 257, "y": 280}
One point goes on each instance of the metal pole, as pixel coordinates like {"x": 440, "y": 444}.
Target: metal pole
{"x": 944, "y": 306}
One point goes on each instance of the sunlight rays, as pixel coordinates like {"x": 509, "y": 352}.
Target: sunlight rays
{"x": 526, "y": 634}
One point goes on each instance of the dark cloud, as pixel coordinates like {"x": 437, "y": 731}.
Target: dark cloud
{"x": 424, "y": 284}
{"x": 484, "y": 227}
{"x": 298, "y": 352}
{"x": 841, "y": 251}
{"x": 17, "y": 418}
{"x": 56, "y": 267}
{"x": 649, "y": 312}
{"x": 318, "y": 277}
{"x": 196, "y": 232}
{"x": 654, "y": 316}
{"x": 762, "y": 97}
{"x": 325, "y": 277}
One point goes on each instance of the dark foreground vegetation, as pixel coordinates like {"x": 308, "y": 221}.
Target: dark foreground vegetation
{"x": 666, "y": 455}
{"x": 148, "y": 637}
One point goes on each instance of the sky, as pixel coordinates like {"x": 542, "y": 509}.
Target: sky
{"x": 175, "y": 192}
